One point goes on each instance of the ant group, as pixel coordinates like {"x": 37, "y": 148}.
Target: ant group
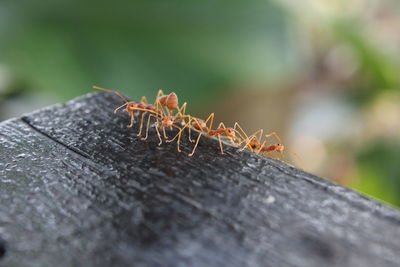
{"x": 167, "y": 114}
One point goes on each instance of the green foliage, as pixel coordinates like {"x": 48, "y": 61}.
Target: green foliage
{"x": 141, "y": 46}
{"x": 380, "y": 171}
{"x": 378, "y": 69}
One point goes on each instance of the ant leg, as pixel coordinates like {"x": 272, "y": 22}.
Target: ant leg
{"x": 197, "y": 142}
{"x": 261, "y": 147}
{"x": 179, "y": 142}
{"x": 248, "y": 142}
{"x": 179, "y": 133}
{"x": 220, "y": 144}
{"x": 147, "y": 128}
{"x": 158, "y": 134}
{"x": 260, "y": 132}
{"x": 159, "y": 93}
{"x": 190, "y": 135}
{"x": 165, "y": 134}
{"x": 189, "y": 124}
{"x": 182, "y": 110}
{"x": 157, "y": 104}
{"x": 211, "y": 119}
{"x": 132, "y": 115}
{"x": 160, "y": 110}
{"x": 148, "y": 125}
{"x": 144, "y": 100}
{"x": 182, "y": 114}
{"x": 275, "y": 135}
{"x": 141, "y": 124}
{"x": 179, "y": 136}
{"x": 243, "y": 134}
{"x": 183, "y": 122}
{"x": 190, "y": 127}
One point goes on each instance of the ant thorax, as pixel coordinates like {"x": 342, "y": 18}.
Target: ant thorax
{"x": 167, "y": 121}
{"x": 199, "y": 126}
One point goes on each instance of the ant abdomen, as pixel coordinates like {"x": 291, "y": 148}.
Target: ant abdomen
{"x": 172, "y": 101}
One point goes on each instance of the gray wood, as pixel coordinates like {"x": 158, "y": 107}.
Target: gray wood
{"x": 77, "y": 188}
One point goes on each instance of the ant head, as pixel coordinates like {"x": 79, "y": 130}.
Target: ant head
{"x": 131, "y": 105}
{"x": 230, "y": 132}
{"x": 280, "y": 148}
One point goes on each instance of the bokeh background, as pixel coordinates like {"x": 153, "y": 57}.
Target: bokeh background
{"x": 323, "y": 74}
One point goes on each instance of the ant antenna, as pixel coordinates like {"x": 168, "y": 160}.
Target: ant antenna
{"x": 111, "y": 91}
{"x": 298, "y": 158}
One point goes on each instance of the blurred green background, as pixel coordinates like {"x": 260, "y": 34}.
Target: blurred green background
{"x": 323, "y": 74}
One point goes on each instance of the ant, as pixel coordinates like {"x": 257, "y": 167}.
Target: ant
{"x": 163, "y": 111}
{"x": 253, "y": 143}
{"x": 168, "y": 121}
{"x": 131, "y": 106}
{"x": 201, "y": 126}
{"x": 168, "y": 102}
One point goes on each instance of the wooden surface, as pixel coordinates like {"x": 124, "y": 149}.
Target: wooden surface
{"x": 78, "y": 189}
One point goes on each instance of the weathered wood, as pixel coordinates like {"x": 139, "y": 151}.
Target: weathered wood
{"x": 77, "y": 188}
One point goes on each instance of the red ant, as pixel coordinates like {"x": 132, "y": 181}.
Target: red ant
{"x": 170, "y": 102}
{"x": 131, "y": 106}
{"x": 168, "y": 121}
{"x": 162, "y": 110}
{"x": 253, "y": 142}
{"x": 201, "y": 126}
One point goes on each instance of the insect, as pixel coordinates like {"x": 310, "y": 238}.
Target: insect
{"x": 169, "y": 101}
{"x": 201, "y": 126}
{"x": 167, "y": 121}
{"x": 131, "y": 107}
{"x": 253, "y": 143}
{"x": 168, "y": 115}
{"x": 164, "y": 106}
